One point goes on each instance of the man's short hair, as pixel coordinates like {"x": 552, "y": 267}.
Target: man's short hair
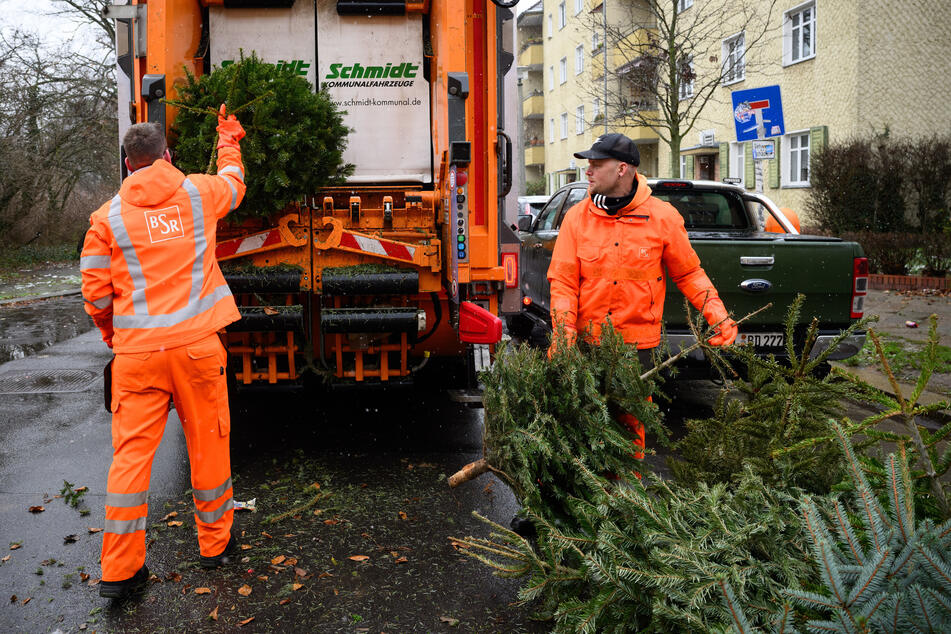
{"x": 144, "y": 143}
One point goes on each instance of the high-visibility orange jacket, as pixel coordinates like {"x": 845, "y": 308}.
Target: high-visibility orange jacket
{"x": 150, "y": 277}
{"x": 613, "y": 267}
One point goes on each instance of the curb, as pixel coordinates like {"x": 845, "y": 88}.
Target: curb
{"x": 37, "y": 298}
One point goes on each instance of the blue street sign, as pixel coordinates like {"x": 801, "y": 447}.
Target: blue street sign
{"x": 758, "y": 113}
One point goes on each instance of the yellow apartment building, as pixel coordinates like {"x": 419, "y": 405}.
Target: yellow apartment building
{"x": 844, "y": 68}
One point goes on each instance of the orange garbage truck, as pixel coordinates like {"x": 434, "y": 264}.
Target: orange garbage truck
{"x": 410, "y": 260}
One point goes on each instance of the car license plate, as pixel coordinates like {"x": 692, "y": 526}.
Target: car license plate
{"x": 762, "y": 339}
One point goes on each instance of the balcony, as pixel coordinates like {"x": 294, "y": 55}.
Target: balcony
{"x": 532, "y": 56}
{"x": 534, "y": 155}
{"x": 533, "y": 107}
{"x": 637, "y": 133}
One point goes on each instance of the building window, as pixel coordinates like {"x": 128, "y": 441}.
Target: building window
{"x": 796, "y": 157}
{"x": 734, "y": 64}
{"x": 550, "y": 29}
{"x": 564, "y": 125}
{"x": 799, "y": 34}
{"x": 551, "y": 130}
{"x": 579, "y": 120}
{"x": 579, "y": 59}
{"x": 563, "y": 70}
{"x": 686, "y": 78}
{"x": 595, "y": 41}
{"x": 562, "y": 16}
{"x": 596, "y": 111}
{"x": 579, "y": 5}
{"x": 551, "y": 78}
{"x": 683, "y": 5}
{"x": 737, "y": 163}
{"x": 683, "y": 167}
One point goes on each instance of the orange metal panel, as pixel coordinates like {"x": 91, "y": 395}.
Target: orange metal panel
{"x": 173, "y": 41}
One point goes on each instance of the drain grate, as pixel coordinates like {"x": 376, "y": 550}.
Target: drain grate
{"x": 46, "y": 381}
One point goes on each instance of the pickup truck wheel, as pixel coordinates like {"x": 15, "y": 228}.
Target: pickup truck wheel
{"x": 519, "y": 326}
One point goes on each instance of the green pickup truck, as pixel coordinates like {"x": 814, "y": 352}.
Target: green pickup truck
{"x": 750, "y": 267}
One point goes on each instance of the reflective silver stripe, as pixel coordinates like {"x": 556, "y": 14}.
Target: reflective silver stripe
{"x": 102, "y": 302}
{"x": 127, "y": 500}
{"x": 139, "y": 305}
{"x": 209, "y": 517}
{"x": 201, "y": 242}
{"x": 124, "y": 527}
{"x": 172, "y": 319}
{"x": 234, "y": 193}
{"x": 210, "y": 495}
{"x": 94, "y": 262}
{"x": 232, "y": 169}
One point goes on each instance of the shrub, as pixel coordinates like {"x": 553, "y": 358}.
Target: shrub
{"x": 535, "y": 188}
{"x": 890, "y": 253}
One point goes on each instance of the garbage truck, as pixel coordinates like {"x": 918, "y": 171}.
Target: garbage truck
{"x": 410, "y": 260}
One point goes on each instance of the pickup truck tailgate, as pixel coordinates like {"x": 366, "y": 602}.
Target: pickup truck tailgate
{"x": 753, "y": 270}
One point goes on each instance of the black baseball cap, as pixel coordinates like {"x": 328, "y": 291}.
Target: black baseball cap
{"x": 613, "y": 145}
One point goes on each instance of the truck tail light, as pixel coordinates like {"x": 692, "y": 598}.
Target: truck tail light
{"x": 510, "y": 266}
{"x": 859, "y": 287}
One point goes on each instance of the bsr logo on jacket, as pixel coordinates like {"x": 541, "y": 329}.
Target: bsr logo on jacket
{"x": 164, "y": 224}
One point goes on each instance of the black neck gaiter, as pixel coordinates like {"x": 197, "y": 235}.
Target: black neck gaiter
{"x": 612, "y": 204}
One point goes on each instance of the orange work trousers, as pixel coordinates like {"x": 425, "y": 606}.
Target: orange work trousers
{"x": 142, "y": 383}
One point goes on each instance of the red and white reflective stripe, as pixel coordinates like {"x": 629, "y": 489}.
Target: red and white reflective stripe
{"x": 377, "y": 247}
{"x": 249, "y": 243}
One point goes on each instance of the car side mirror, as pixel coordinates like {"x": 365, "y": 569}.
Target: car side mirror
{"x": 525, "y": 223}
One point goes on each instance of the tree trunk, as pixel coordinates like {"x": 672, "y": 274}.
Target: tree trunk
{"x": 469, "y": 472}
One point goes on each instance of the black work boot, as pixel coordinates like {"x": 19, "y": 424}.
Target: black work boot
{"x": 225, "y": 558}
{"x": 126, "y": 587}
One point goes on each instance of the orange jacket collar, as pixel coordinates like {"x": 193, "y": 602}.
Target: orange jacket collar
{"x": 151, "y": 185}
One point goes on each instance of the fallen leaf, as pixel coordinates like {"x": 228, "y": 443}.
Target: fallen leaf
{"x": 246, "y": 546}
{"x": 244, "y": 590}
{"x": 173, "y": 576}
{"x": 7, "y": 558}
{"x": 265, "y": 534}
{"x": 364, "y": 485}
{"x": 213, "y": 615}
{"x": 82, "y": 628}
{"x": 27, "y": 600}
{"x": 169, "y": 516}
{"x": 448, "y": 620}
{"x": 82, "y": 489}
{"x": 426, "y": 465}
{"x": 262, "y": 577}
{"x": 245, "y": 622}
{"x": 316, "y": 485}
{"x": 401, "y": 560}
{"x": 292, "y": 534}
{"x": 93, "y": 582}
{"x": 13, "y": 599}
{"x": 83, "y": 577}
{"x": 174, "y": 523}
{"x": 300, "y": 572}
{"x": 290, "y": 561}
{"x": 331, "y": 522}
{"x": 69, "y": 539}
{"x": 359, "y": 557}
{"x": 277, "y": 560}
{"x": 318, "y": 511}
{"x": 16, "y": 545}
{"x": 283, "y": 601}
{"x": 403, "y": 515}
{"x": 324, "y": 574}
{"x": 336, "y": 592}
{"x": 269, "y": 311}
{"x": 92, "y": 529}
{"x": 296, "y": 586}
{"x": 202, "y": 590}
{"x": 36, "y": 509}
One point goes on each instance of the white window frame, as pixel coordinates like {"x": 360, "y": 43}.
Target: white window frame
{"x": 686, "y": 88}
{"x": 562, "y": 15}
{"x": 683, "y": 5}
{"x": 579, "y": 119}
{"x": 551, "y": 130}
{"x": 551, "y": 29}
{"x": 596, "y": 108}
{"x": 734, "y": 58}
{"x": 564, "y": 125}
{"x": 793, "y": 158}
{"x": 579, "y": 59}
{"x": 683, "y": 166}
{"x": 562, "y": 70}
{"x": 579, "y": 6}
{"x": 738, "y": 162}
{"x": 794, "y": 27}
{"x": 551, "y": 78}
{"x": 595, "y": 40}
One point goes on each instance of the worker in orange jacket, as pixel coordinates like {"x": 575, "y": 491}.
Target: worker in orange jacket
{"x": 610, "y": 258}
{"x": 152, "y": 285}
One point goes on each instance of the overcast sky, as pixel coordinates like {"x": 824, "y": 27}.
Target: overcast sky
{"x": 37, "y": 17}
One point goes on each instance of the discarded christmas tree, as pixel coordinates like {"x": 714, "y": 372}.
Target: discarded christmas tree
{"x": 295, "y": 136}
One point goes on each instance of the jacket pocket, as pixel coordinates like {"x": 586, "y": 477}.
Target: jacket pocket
{"x": 224, "y": 412}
